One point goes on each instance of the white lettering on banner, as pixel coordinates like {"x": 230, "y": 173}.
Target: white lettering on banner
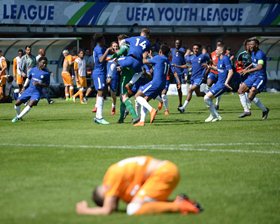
{"x": 184, "y": 14}
{"x": 28, "y": 12}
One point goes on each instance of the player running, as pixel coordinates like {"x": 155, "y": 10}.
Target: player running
{"x": 225, "y": 73}
{"x": 256, "y": 81}
{"x": 38, "y": 78}
{"x": 197, "y": 60}
{"x": 154, "y": 88}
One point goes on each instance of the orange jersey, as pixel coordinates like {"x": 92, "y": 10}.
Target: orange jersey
{"x": 215, "y": 61}
{"x": 3, "y": 64}
{"x": 129, "y": 178}
{"x": 124, "y": 179}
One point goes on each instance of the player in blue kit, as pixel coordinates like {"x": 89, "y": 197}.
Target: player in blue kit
{"x": 154, "y": 88}
{"x": 225, "y": 74}
{"x": 99, "y": 75}
{"x": 137, "y": 46}
{"x": 38, "y": 78}
{"x": 256, "y": 81}
{"x": 113, "y": 81}
{"x": 177, "y": 55}
{"x": 197, "y": 61}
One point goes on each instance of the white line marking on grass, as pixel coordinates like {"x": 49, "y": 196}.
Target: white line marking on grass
{"x": 180, "y": 147}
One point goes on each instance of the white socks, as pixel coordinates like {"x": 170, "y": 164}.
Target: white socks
{"x": 143, "y": 114}
{"x": 99, "y": 107}
{"x": 218, "y": 99}
{"x": 185, "y": 104}
{"x": 165, "y": 101}
{"x": 17, "y": 108}
{"x": 144, "y": 103}
{"x": 243, "y": 101}
{"x": 259, "y": 104}
{"x": 24, "y": 111}
{"x": 135, "y": 77}
{"x": 209, "y": 103}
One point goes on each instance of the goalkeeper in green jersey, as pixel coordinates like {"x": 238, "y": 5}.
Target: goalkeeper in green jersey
{"x": 126, "y": 76}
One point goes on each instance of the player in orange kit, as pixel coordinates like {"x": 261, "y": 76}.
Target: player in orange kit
{"x": 66, "y": 75}
{"x": 144, "y": 183}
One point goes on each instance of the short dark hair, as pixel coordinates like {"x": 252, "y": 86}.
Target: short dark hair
{"x": 96, "y": 198}
{"x": 199, "y": 45}
{"x": 43, "y": 58}
{"x": 255, "y": 40}
{"x": 220, "y": 40}
{"x": 98, "y": 37}
{"x": 81, "y": 50}
{"x": 27, "y": 46}
{"x": 164, "y": 49}
{"x": 20, "y": 50}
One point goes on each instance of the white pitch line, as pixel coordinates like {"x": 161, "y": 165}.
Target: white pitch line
{"x": 180, "y": 147}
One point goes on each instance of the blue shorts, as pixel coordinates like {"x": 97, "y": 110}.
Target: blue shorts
{"x": 130, "y": 62}
{"x": 152, "y": 89}
{"x": 218, "y": 89}
{"x": 99, "y": 80}
{"x": 140, "y": 82}
{"x": 259, "y": 82}
{"x": 196, "y": 81}
{"x": 30, "y": 94}
{"x": 213, "y": 77}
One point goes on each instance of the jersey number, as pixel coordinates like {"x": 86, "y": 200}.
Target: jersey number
{"x": 142, "y": 44}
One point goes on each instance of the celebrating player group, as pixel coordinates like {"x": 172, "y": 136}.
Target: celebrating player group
{"x": 144, "y": 73}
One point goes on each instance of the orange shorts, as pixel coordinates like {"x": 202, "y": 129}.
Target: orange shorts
{"x": 67, "y": 79}
{"x": 161, "y": 183}
{"x": 19, "y": 80}
{"x": 82, "y": 82}
{"x": 3, "y": 80}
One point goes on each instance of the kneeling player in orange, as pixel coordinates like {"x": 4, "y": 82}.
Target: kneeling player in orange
{"x": 144, "y": 183}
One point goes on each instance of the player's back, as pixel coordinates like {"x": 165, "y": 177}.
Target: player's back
{"x": 124, "y": 178}
{"x": 161, "y": 67}
{"x": 137, "y": 46}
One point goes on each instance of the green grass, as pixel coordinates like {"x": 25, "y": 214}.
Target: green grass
{"x": 55, "y": 156}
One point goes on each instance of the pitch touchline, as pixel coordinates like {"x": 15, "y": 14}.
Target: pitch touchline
{"x": 180, "y": 147}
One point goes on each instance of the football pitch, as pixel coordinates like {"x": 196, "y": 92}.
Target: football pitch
{"x": 56, "y": 155}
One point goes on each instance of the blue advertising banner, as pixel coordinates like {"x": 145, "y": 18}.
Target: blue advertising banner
{"x": 149, "y": 14}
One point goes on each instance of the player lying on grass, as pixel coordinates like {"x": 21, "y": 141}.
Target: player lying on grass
{"x": 38, "y": 78}
{"x": 144, "y": 183}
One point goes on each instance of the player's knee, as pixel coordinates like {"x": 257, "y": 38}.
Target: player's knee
{"x": 132, "y": 208}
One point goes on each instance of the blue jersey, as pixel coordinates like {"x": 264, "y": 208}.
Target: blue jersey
{"x": 137, "y": 46}
{"x": 196, "y": 61}
{"x": 37, "y": 75}
{"x": 256, "y": 57}
{"x": 223, "y": 66}
{"x": 161, "y": 67}
{"x": 98, "y": 51}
